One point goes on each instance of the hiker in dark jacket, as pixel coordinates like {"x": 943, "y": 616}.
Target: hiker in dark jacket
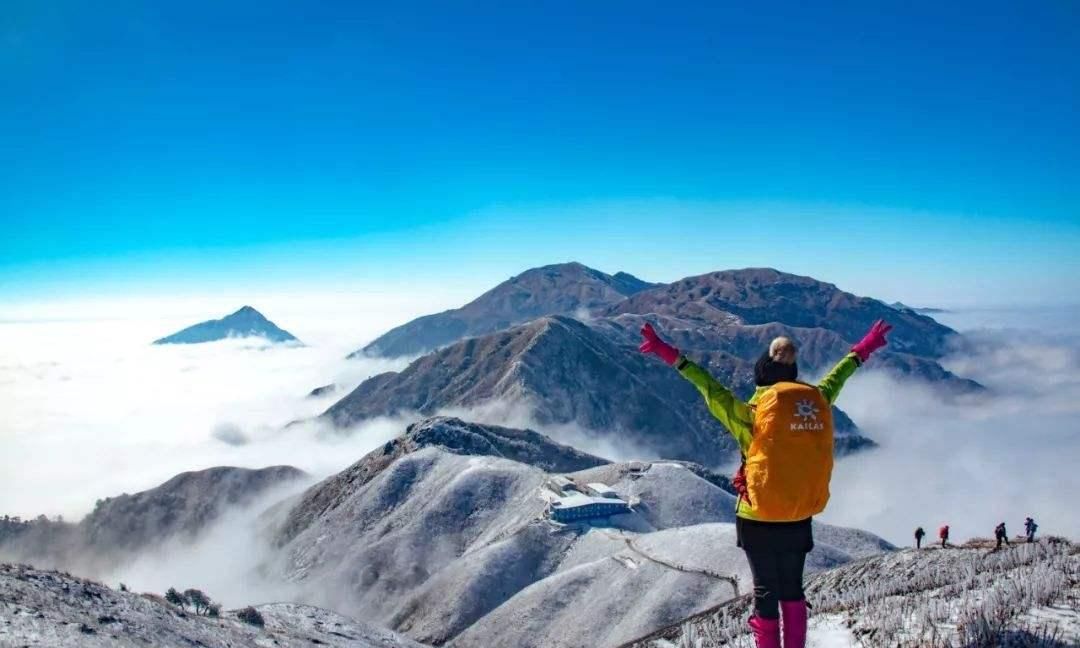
{"x": 1000, "y": 534}
{"x": 919, "y": 533}
{"x": 1029, "y": 529}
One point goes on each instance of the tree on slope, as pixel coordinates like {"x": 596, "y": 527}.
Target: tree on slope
{"x": 199, "y": 600}
{"x": 252, "y": 616}
{"x": 176, "y": 598}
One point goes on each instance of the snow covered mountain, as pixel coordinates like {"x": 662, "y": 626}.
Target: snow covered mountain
{"x": 561, "y": 289}
{"x": 246, "y": 322}
{"x": 56, "y": 610}
{"x": 564, "y": 371}
{"x": 972, "y": 595}
{"x": 442, "y": 535}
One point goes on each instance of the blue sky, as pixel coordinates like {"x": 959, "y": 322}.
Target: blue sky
{"x": 919, "y": 152}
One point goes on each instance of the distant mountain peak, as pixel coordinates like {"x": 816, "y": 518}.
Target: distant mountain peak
{"x": 558, "y": 289}
{"x": 566, "y": 372}
{"x": 764, "y": 296}
{"x": 245, "y": 322}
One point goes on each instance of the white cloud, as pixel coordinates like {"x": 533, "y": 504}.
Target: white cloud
{"x": 971, "y": 462}
{"x": 230, "y": 433}
{"x": 91, "y": 409}
{"x": 225, "y": 560}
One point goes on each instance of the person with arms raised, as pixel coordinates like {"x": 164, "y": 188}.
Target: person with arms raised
{"x": 785, "y": 435}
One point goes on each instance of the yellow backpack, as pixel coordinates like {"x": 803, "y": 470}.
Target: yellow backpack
{"x": 790, "y": 459}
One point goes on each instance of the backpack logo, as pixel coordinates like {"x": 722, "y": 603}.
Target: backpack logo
{"x": 807, "y": 412}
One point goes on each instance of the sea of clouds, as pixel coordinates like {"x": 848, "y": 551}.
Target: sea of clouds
{"x": 976, "y": 461}
{"x": 91, "y": 409}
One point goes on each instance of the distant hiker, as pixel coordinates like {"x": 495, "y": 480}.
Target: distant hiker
{"x": 785, "y": 434}
{"x": 919, "y": 533}
{"x": 1000, "y": 534}
{"x": 943, "y": 535}
{"x": 1029, "y": 529}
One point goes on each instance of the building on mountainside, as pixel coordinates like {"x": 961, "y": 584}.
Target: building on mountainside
{"x": 582, "y": 507}
{"x": 563, "y": 485}
{"x": 602, "y": 490}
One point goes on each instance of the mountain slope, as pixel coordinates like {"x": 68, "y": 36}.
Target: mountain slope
{"x": 182, "y": 506}
{"x": 562, "y": 289}
{"x": 55, "y": 610}
{"x": 1024, "y": 595}
{"x": 246, "y": 322}
{"x": 375, "y": 546}
{"x": 757, "y": 296}
{"x": 567, "y": 372}
{"x": 445, "y": 433}
{"x": 819, "y": 348}
{"x": 120, "y": 526}
{"x": 441, "y": 536}
{"x": 741, "y": 311}
{"x": 637, "y": 582}
{"x": 561, "y": 374}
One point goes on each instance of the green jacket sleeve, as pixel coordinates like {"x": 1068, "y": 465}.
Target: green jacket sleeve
{"x": 734, "y": 414}
{"x": 833, "y": 381}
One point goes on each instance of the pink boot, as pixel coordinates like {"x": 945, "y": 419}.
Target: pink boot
{"x": 794, "y": 613}
{"x": 766, "y": 632}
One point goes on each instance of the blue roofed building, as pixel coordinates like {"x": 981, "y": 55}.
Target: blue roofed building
{"x": 578, "y": 506}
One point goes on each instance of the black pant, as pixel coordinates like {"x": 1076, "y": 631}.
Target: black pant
{"x": 918, "y": 542}
{"x": 777, "y": 577}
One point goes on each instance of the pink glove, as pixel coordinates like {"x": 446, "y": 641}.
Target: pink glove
{"x": 654, "y": 345}
{"x": 872, "y": 341}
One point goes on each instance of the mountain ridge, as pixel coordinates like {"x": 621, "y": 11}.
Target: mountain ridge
{"x": 566, "y": 372}
{"x": 557, "y": 289}
{"x": 735, "y": 311}
{"x": 760, "y": 296}
{"x": 118, "y": 527}
{"x": 444, "y": 545}
{"x": 442, "y": 533}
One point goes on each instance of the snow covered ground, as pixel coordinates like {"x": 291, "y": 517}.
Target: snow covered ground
{"x": 55, "y": 610}
{"x": 445, "y": 547}
{"x": 1024, "y": 595}
{"x": 442, "y": 537}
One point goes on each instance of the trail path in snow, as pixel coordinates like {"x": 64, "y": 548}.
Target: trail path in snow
{"x": 730, "y": 580}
